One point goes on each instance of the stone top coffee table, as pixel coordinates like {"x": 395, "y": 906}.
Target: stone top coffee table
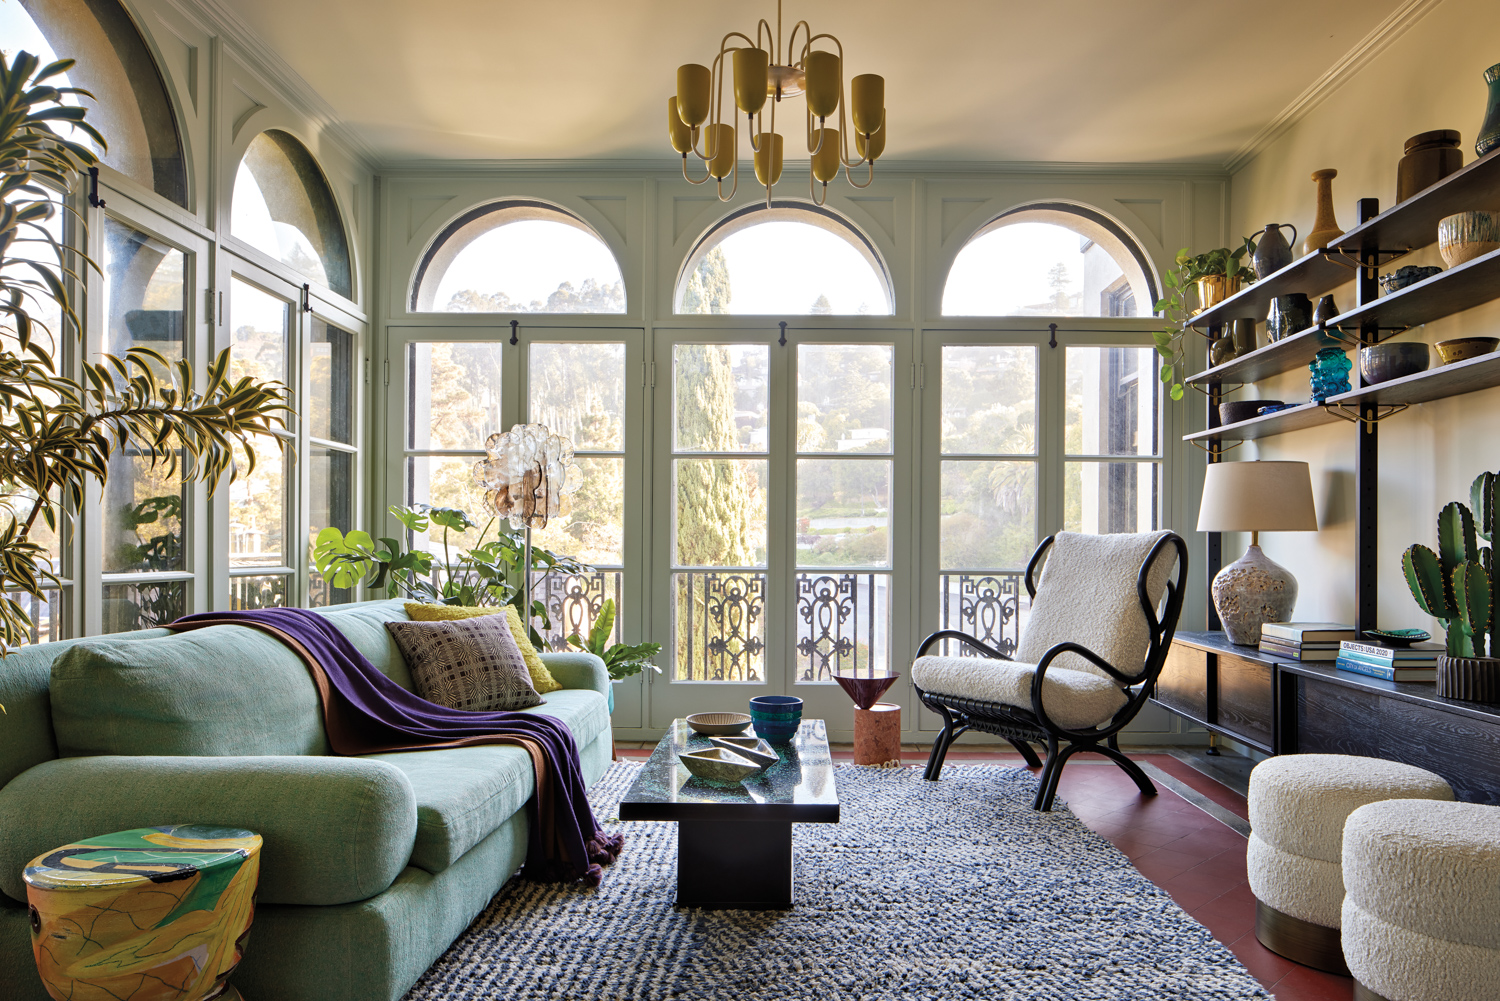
{"x": 734, "y": 842}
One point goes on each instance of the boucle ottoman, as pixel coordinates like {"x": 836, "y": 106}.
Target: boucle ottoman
{"x": 1298, "y": 804}
{"x": 1422, "y": 917}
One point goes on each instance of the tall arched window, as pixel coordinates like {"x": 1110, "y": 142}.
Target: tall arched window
{"x": 1050, "y": 260}
{"x": 790, "y": 259}
{"x": 284, "y": 208}
{"x": 130, "y": 105}
{"x": 518, "y": 257}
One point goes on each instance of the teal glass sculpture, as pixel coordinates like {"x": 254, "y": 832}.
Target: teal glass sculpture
{"x": 1330, "y": 374}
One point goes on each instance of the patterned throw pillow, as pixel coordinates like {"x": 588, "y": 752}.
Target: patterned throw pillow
{"x": 541, "y": 678}
{"x": 469, "y": 664}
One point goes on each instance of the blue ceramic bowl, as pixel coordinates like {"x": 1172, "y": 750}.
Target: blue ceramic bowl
{"x": 787, "y": 713}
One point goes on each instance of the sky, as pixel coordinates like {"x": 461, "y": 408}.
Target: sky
{"x": 782, "y": 268}
{"x": 527, "y": 260}
{"x": 1006, "y": 269}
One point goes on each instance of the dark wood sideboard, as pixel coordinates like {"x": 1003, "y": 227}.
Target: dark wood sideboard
{"x": 1285, "y": 707}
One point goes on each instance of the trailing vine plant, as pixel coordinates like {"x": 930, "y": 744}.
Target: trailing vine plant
{"x": 1176, "y": 306}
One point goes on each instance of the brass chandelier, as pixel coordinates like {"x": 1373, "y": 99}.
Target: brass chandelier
{"x": 695, "y": 113}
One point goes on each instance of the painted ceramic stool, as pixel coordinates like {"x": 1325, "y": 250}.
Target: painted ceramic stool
{"x": 156, "y": 914}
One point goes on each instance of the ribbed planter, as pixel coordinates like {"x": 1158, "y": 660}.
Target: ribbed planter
{"x": 1471, "y": 679}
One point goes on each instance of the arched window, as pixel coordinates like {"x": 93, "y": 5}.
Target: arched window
{"x": 790, "y": 259}
{"x": 284, "y": 207}
{"x": 1050, "y": 260}
{"x": 518, "y": 257}
{"x": 130, "y": 105}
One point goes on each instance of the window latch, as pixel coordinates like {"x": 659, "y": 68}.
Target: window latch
{"x": 1052, "y": 343}
{"x": 515, "y": 338}
{"x": 94, "y": 199}
{"x": 306, "y": 298}
{"x": 782, "y": 342}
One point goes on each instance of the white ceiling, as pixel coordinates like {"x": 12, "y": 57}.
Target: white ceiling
{"x": 1040, "y": 80}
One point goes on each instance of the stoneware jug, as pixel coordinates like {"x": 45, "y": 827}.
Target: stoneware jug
{"x": 1272, "y": 251}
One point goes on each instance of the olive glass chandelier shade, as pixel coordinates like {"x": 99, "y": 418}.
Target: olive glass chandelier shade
{"x": 763, "y": 74}
{"x": 1255, "y": 497}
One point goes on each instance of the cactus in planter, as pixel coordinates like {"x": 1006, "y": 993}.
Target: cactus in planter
{"x": 1482, "y": 497}
{"x": 1453, "y": 584}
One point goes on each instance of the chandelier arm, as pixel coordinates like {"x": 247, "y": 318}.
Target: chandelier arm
{"x": 754, "y": 132}
{"x": 813, "y": 193}
{"x": 771, "y": 154}
{"x": 868, "y": 181}
{"x": 716, "y": 115}
{"x": 735, "y": 187}
{"x": 822, "y": 135}
{"x": 791, "y": 43}
{"x": 778, "y": 31}
{"x": 766, "y": 25}
{"x": 693, "y": 146}
{"x": 688, "y": 179}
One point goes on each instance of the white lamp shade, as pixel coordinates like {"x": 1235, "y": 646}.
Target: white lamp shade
{"x": 1257, "y": 497}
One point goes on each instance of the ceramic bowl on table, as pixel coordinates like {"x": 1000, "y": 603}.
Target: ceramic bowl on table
{"x": 775, "y": 717}
{"x": 1468, "y": 235}
{"x": 718, "y": 764}
{"x": 718, "y": 724}
{"x": 1464, "y": 348}
{"x": 1383, "y": 362}
{"x": 753, "y": 748}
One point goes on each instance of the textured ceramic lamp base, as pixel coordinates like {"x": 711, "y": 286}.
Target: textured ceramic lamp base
{"x": 1251, "y": 591}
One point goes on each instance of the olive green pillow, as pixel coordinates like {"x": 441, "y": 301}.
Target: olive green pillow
{"x": 541, "y": 678}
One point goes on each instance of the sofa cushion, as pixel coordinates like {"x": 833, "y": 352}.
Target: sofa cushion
{"x": 465, "y": 793}
{"x": 470, "y": 664}
{"x": 363, "y": 622}
{"x": 221, "y": 690}
{"x": 1072, "y": 699}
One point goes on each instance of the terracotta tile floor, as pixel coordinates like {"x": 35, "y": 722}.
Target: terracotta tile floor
{"x": 1178, "y": 846}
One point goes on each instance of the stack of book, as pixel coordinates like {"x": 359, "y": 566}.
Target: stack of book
{"x": 1413, "y": 663}
{"x": 1304, "y": 641}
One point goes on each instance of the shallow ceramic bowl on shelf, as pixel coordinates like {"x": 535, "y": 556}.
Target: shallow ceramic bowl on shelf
{"x": 1409, "y": 275}
{"x": 1383, "y": 362}
{"x": 1464, "y": 348}
{"x": 1400, "y": 637}
{"x": 718, "y": 724}
{"x": 753, "y": 748}
{"x": 1242, "y": 410}
{"x": 1467, "y": 235}
{"x": 718, "y": 764}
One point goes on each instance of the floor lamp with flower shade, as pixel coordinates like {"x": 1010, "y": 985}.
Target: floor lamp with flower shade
{"x": 1255, "y": 497}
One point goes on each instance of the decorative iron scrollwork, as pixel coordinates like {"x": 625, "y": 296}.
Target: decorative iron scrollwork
{"x": 987, "y": 607}
{"x": 573, "y": 603}
{"x": 720, "y": 621}
{"x": 829, "y": 608}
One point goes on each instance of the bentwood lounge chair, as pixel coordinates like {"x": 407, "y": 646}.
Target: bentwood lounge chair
{"x": 1095, "y": 642}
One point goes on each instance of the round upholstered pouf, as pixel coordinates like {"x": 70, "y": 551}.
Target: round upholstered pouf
{"x": 156, "y": 914}
{"x": 1422, "y": 914}
{"x": 1297, "y": 805}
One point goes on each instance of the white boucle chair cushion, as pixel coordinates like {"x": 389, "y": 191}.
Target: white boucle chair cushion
{"x": 1429, "y": 867}
{"x": 1073, "y": 699}
{"x": 1086, "y": 594}
{"x": 1397, "y": 962}
{"x": 1306, "y": 888}
{"x": 1298, "y": 802}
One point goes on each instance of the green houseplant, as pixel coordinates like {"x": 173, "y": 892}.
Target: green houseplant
{"x": 59, "y": 430}
{"x": 621, "y": 660}
{"x": 1215, "y": 274}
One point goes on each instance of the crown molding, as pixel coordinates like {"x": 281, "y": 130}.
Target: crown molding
{"x": 901, "y": 168}
{"x": 299, "y": 94}
{"x": 1340, "y": 73}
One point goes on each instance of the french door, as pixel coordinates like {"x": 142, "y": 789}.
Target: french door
{"x": 782, "y": 478}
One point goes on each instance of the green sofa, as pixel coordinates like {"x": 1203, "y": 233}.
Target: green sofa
{"x": 372, "y": 865}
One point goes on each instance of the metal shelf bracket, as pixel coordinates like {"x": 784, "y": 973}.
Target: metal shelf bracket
{"x": 1382, "y": 410}
{"x": 1216, "y": 447}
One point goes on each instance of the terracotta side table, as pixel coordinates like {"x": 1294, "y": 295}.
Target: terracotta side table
{"x": 877, "y": 734}
{"x": 155, "y": 914}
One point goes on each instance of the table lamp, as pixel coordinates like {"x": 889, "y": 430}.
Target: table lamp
{"x": 1255, "y": 497}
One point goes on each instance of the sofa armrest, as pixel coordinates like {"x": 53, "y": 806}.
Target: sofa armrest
{"x": 580, "y": 670}
{"x": 336, "y": 829}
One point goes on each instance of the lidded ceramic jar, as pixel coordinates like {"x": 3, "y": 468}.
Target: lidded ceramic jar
{"x": 1430, "y": 157}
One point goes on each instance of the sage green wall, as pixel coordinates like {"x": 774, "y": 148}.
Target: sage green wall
{"x": 1431, "y": 77}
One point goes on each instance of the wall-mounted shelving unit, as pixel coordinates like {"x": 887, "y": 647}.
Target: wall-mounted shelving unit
{"x": 1378, "y": 240}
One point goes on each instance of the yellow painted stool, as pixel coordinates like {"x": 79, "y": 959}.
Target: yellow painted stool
{"x": 156, "y": 914}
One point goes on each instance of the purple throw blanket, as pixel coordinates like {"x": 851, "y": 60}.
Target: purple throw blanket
{"x": 365, "y": 712}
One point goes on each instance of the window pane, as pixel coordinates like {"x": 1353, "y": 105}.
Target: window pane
{"x": 1104, "y": 497}
{"x": 988, "y": 514}
{"x": 1112, "y": 401}
{"x": 788, "y": 267}
{"x": 842, "y": 625}
{"x": 448, "y": 481}
{"x": 578, "y": 391}
{"x": 260, "y": 322}
{"x": 142, "y": 516}
{"x": 720, "y": 626}
{"x": 257, "y": 592}
{"x": 330, "y": 410}
{"x": 283, "y": 207}
{"x": 46, "y": 614}
{"x": 143, "y": 292}
{"x": 1046, "y": 262}
{"x": 127, "y": 607}
{"x": 593, "y": 525}
{"x": 721, "y": 512}
{"x": 330, "y": 503}
{"x": 454, "y": 394}
{"x": 844, "y": 397}
{"x": 519, "y": 258}
{"x": 989, "y": 400}
{"x": 720, "y": 397}
{"x": 573, "y": 602}
{"x": 257, "y": 508}
{"x": 843, "y": 512}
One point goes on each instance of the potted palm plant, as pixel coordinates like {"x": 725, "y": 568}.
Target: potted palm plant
{"x": 58, "y": 429}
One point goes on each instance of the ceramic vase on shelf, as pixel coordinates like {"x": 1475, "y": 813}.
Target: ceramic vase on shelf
{"x": 1289, "y": 314}
{"x": 1326, "y": 311}
{"x": 1325, "y": 228}
{"x": 1272, "y": 251}
{"x": 1330, "y": 373}
{"x": 1489, "y": 132}
{"x": 1430, "y": 157}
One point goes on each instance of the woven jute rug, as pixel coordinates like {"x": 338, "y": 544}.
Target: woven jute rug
{"x": 925, "y": 890}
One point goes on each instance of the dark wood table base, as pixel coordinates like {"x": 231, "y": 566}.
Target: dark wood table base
{"x": 742, "y": 864}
